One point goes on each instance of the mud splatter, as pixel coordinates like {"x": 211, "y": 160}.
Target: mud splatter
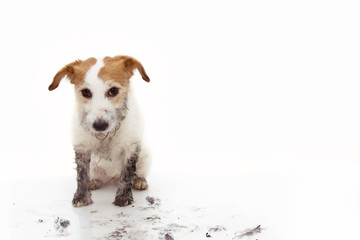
{"x": 121, "y": 215}
{"x": 117, "y": 234}
{"x": 176, "y": 227}
{"x": 153, "y": 202}
{"x": 166, "y": 234}
{"x": 217, "y": 228}
{"x": 248, "y": 232}
{"x": 61, "y": 224}
{"x": 153, "y": 219}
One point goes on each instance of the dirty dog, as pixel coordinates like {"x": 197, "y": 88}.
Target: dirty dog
{"x": 107, "y": 130}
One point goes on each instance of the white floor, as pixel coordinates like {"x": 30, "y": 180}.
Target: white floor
{"x": 307, "y": 205}
{"x": 252, "y": 114}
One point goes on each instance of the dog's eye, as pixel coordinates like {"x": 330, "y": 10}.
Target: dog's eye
{"x": 113, "y": 92}
{"x": 86, "y": 93}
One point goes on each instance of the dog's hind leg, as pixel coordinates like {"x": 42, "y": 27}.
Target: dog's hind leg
{"x": 139, "y": 183}
{"x": 98, "y": 176}
{"x": 95, "y": 184}
{"x": 142, "y": 169}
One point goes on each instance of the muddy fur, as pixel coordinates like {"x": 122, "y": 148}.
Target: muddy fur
{"x": 124, "y": 194}
{"x": 82, "y": 196}
{"x": 120, "y": 115}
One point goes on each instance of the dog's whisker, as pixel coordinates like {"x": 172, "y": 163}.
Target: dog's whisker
{"x": 117, "y": 128}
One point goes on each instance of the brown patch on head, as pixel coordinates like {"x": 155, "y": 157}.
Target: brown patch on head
{"x": 75, "y": 71}
{"x": 122, "y": 93}
{"x": 117, "y": 72}
{"x": 120, "y": 69}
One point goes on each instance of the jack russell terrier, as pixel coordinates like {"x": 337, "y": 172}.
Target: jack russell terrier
{"x": 107, "y": 130}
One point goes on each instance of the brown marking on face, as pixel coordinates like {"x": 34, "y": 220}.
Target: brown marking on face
{"x": 75, "y": 71}
{"x": 120, "y": 69}
{"x": 121, "y": 96}
{"x": 80, "y": 99}
{"x": 117, "y": 72}
{"x": 114, "y": 70}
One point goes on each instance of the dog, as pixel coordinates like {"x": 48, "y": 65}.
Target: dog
{"x": 107, "y": 133}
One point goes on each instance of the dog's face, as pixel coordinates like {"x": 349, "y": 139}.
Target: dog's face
{"x": 101, "y": 88}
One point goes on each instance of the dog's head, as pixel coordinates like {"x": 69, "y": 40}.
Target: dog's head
{"x": 101, "y": 87}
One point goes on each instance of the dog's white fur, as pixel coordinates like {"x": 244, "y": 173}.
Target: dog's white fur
{"x": 106, "y": 164}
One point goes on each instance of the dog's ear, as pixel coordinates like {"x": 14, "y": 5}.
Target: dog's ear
{"x": 68, "y": 71}
{"x": 132, "y": 63}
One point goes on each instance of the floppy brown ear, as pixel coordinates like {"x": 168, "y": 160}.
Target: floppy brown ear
{"x": 68, "y": 71}
{"x": 132, "y": 63}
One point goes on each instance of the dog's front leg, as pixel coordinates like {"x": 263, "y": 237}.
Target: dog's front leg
{"x": 82, "y": 197}
{"x": 124, "y": 195}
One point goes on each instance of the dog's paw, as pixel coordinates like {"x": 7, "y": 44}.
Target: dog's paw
{"x": 95, "y": 184}
{"x": 139, "y": 183}
{"x": 81, "y": 200}
{"x": 123, "y": 201}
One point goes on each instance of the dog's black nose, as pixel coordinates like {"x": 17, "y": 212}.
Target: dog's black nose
{"x": 100, "y": 125}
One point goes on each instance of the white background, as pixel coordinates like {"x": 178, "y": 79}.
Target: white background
{"x": 237, "y": 87}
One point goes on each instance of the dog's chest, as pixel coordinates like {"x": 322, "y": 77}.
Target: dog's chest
{"x": 106, "y": 160}
{"x": 107, "y": 151}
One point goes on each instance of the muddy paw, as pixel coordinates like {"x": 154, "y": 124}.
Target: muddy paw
{"x": 95, "y": 184}
{"x": 139, "y": 183}
{"x": 81, "y": 200}
{"x": 123, "y": 201}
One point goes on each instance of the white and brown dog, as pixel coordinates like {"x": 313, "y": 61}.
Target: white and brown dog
{"x": 107, "y": 129}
